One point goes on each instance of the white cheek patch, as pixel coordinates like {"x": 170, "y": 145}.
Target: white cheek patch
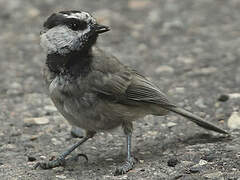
{"x": 45, "y": 44}
{"x": 58, "y": 40}
{"x": 63, "y": 40}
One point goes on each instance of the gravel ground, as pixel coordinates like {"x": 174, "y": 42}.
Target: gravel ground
{"x": 189, "y": 48}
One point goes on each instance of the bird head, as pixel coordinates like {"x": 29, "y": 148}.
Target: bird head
{"x": 70, "y": 31}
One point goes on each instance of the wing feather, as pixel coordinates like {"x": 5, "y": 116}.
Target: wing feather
{"x": 130, "y": 85}
{"x": 141, "y": 89}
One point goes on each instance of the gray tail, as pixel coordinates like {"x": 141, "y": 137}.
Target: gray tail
{"x": 196, "y": 119}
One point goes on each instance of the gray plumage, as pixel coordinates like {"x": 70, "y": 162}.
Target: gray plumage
{"x": 91, "y": 88}
{"x": 133, "y": 96}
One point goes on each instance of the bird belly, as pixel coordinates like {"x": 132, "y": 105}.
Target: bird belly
{"x": 99, "y": 116}
{"x": 88, "y": 111}
{"x": 85, "y": 111}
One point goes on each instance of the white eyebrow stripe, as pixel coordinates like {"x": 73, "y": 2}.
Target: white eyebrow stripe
{"x": 82, "y": 15}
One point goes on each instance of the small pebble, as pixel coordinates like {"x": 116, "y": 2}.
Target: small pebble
{"x": 93, "y": 147}
{"x": 61, "y": 176}
{"x": 180, "y": 90}
{"x": 36, "y": 121}
{"x": 164, "y": 69}
{"x": 50, "y": 108}
{"x": 77, "y": 132}
{"x": 234, "y": 95}
{"x": 55, "y": 141}
{"x": 202, "y": 162}
{"x": 31, "y": 158}
{"x": 172, "y": 162}
{"x": 208, "y": 70}
{"x": 209, "y": 157}
{"x": 9, "y": 147}
{"x": 33, "y": 12}
{"x": 194, "y": 169}
{"x": 33, "y": 137}
{"x": 43, "y": 157}
{"x": 214, "y": 175}
{"x": 15, "y": 88}
{"x": 152, "y": 133}
{"x": 200, "y": 103}
{"x": 171, "y": 124}
{"x": 187, "y": 163}
{"x": 203, "y": 71}
{"x": 185, "y": 60}
{"x": 138, "y": 4}
{"x": 234, "y": 120}
{"x": 154, "y": 16}
{"x": 170, "y": 25}
{"x": 223, "y": 97}
{"x": 109, "y": 159}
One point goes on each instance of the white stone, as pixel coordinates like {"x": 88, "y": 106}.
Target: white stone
{"x": 202, "y": 162}
{"x": 138, "y": 5}
{"x": 208, "y": 70}
{"x": 171, "y": 124}
{"x": 200, "y": 103}
{"x": 50, "y": 108}
{"x": 55, "y": 141}
{"x": 234, "y": 95}
{"x": 164, "y": 69}
{"x": 36, "y": 120}
{"x": 154, "y": 16}
{"x": 9, "y": 146}
{"x": 61, "y": 176}
{"x": 185, "y": 60}
{"x": 213, "y": 175}
{"x": 180, "y": 90}
{"x": 234, "y": 120}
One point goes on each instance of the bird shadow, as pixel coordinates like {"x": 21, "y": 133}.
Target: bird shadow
{"x": 203, "y": 138}
{"x": 150, "y": 149}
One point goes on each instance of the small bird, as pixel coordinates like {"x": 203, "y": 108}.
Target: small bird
{"x": 92, "y": 89}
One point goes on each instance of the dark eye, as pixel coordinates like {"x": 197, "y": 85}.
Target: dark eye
{"x": 74, "y": 26}
{"x": 77, "y": 25}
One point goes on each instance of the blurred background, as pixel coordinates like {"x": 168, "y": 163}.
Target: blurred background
{"x": 189, "y": 48}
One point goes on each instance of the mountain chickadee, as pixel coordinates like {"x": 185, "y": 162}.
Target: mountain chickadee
{"x": 92, "y": 89}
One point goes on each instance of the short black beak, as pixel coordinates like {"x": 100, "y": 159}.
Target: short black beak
{"x": 99, "y": 29}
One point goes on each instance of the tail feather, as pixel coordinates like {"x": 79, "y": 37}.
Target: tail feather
{"x": 196, "y": 119}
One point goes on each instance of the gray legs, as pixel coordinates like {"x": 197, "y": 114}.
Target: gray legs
{"x": 61, "y": 159}
{"x": 130, "y": 161}
{"x": 129, "y": 145}
{"x": 127, "y": 165}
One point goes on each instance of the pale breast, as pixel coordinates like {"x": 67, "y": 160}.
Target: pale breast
{"x": 87, "y": 110}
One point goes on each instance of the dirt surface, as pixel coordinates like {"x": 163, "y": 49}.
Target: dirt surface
{"x": 189, "y": 48}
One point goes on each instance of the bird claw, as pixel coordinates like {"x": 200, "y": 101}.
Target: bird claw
{"x": 83, "y": 155}
{"x": 55, "y": 163}
{"x": 51, "y": 164}
{"x": 127, "y": 166}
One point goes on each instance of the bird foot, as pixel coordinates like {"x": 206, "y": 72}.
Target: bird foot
{"x": 60, "y": 161}
{"x": 127, "y": 166}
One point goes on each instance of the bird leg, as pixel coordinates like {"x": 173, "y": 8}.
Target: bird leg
{"x": 60, "y": 161}
{"x": 130, "y": 161}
